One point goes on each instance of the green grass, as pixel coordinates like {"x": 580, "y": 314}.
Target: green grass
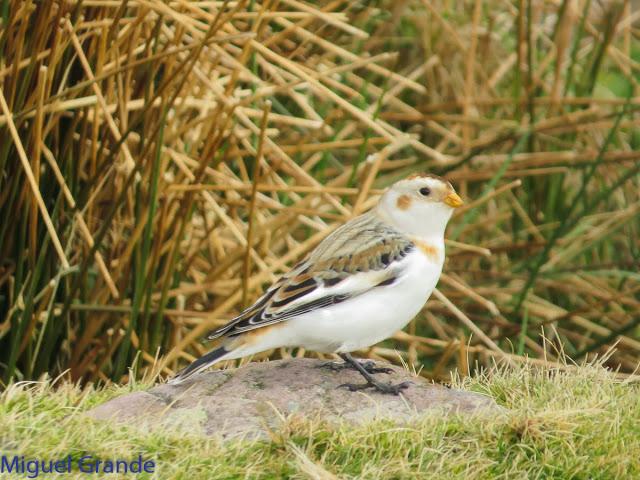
{"x": 574, "y": 423}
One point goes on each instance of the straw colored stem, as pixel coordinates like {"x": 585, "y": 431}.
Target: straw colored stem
{"x": 33, "y": 183}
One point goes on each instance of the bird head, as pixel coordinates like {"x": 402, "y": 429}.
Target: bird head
{"x": 420, "y": 205}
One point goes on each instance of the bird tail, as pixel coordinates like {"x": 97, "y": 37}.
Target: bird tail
{"x": 200, "y": 364}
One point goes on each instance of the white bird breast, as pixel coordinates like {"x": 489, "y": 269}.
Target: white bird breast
{"x": 362, "y": 321}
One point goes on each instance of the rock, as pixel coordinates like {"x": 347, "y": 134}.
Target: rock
{"x": 253, "y": 399}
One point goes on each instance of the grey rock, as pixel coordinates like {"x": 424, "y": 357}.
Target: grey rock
{"x": 252, "y": 400}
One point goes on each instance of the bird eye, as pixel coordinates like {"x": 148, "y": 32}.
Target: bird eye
{"x": 425, "y": 191}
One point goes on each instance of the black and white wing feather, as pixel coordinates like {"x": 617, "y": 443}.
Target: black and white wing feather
{"x": 359, "y": 256}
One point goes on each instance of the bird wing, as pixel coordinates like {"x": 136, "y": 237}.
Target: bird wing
{"x": 357, "y": 257}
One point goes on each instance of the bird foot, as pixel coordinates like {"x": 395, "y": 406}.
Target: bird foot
{"x": 393, "y": 389}
{"x": 368, "y": 365}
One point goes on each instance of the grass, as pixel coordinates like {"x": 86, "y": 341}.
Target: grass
{"x": 582, "y": 422}
{"x": 161, "y": 163}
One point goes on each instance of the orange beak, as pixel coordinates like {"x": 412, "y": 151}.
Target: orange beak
{"x": 453, "y": 200}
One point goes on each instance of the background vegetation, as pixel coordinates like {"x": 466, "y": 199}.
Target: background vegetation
{"x": 162, "y": 162}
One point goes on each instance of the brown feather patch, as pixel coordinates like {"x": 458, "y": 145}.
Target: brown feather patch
{"x": 429, "y": 250}
{"x": 430, "y": 175}
{"x": 403, "y": 202}
{"x": 413, "y": 176}
{"x": 252, "y": 336}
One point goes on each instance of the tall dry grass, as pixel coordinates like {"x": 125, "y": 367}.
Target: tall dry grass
{"x": 162, "y": 162}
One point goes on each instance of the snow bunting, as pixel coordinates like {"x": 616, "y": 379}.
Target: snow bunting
{"x": 360, "y": 285}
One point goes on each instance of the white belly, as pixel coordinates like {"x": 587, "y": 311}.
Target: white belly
{"x": 371, "y": 317}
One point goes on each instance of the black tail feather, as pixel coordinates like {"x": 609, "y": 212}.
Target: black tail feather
{"x": 200, "y": 364}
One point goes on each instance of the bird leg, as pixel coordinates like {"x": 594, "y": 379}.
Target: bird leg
{"x": 368, "y": 365}
{"x": 371, "y": 382}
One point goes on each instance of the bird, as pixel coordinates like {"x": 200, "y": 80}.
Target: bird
{"x": 361, "y": 284}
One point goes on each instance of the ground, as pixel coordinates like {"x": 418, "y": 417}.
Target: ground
{"x": 578, "y": 422}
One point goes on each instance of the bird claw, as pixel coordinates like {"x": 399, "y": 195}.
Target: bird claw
{"x": 334, "y": 366}
{"x": 393, "y": 389}
{"x": 369, "y": 366}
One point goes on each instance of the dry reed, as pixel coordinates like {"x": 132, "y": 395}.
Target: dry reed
{"x": 162, "y": 162}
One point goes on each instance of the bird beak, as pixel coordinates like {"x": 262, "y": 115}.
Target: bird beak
{"x": 453, "y": 200}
